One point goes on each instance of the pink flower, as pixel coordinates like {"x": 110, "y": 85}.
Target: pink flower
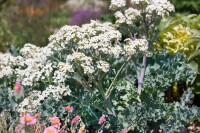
{"x": 17, "y": 87}
{"x": 69, "y": 108}
{"x": 18, "y": 128}
{"x": 37, "y": 115}
{"x": 81, "y": 129}
{"x": 102, "y": 119}
{"x": 55, "y": 121}
{"x": 123, "y": 131}
{"x": 50, "y": 129}
{"x": 27, "y": 119}
{"x": 75, "y": 119}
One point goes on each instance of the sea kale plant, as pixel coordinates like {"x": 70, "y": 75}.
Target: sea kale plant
{"x": 86, "y": 67}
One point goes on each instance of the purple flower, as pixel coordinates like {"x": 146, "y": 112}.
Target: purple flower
{"x": 84, "y": 15}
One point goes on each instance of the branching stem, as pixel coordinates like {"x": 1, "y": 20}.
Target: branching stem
{"x": 110, "y": 89}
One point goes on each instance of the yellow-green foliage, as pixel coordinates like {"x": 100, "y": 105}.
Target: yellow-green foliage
{"x": 174, "y": 40}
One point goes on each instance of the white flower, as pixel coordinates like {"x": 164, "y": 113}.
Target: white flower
{"x": 116, "y": 51}
{"x": 137, "y": 45}
{"x": 28, "y": 50}
{"x": 138, "y": 1}
{"x": 161, "y": 7}
{"x": 87, "y": 64}
{"x": 6, "y": 71}
{"x": 120, "y": 18}
{"x": 63, "y": 37}
{"x": 131, "y": 15}
{"x": 34, "y": 98}
{"x": 65, "y": 67}
{"x": 59, "y": 77}
{"x": 103, "y": 65}
{"x": 115, "y": 4}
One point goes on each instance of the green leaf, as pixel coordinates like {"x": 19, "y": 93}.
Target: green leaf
{"x": 192, "y": 41}
{"x": 13, "y": 102}
{"x": 196, "y": 90}
{"x": 194, "y": 54}
{"x": 191, "y": 16}
{"x": 198, "y": 46}
{"x": 165, "y": 24}
{"x": 194, "y": 31}
{"x": 194, "y": 66}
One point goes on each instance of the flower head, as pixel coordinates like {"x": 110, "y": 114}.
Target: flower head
{"x": 115, "y": 4}
{"x": 50, "y": 129}
{"x": 28, "y": 119}
{"x": 18, "y": 128}
{"x": 75, "y": 119}
{"x": 55, "y": 121}
{"x": 102, "y": 119}
{"x": 82, "y": 128}
{"x": 69, "y": 108}
{"x": 17, "y": 87}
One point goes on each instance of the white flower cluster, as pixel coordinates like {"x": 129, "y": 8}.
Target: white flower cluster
{"x": 61, "y": 74}
{"x": 7, "y": 62}
{"x": 34, "y": 66}
{"x": 103, "y": 65}
{"x": 160, "y": 7}
{"x": 149, "y": 7}
{"x": 84, "y": 61}
{"x": 30, "y": 103}
{"x": 94, "y": 36}
{"x": 6, "y": 71}
{"x": 131, "y": 15}
{"x": 37, "y": 67}
{"x": 138, "y": 1}
{"x": 128, "y": 17}
{"x": 120, "y": 18}
{"x": 89, "y": 41}
{"x": 116, "y": 4}
{"x": 134, "y": 46}
{"x": 98, "y": 36}
{"x": 65, "y": 67}
{"x": 63, "y": 36}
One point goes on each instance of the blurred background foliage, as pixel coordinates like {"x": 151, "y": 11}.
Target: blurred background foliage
{"x": 33, "y": 21}
{"x": 189, "y": 6}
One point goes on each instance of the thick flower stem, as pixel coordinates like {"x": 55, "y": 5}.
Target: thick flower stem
{"x": 143, "y": 69}
{"x": 141, "y": 75}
